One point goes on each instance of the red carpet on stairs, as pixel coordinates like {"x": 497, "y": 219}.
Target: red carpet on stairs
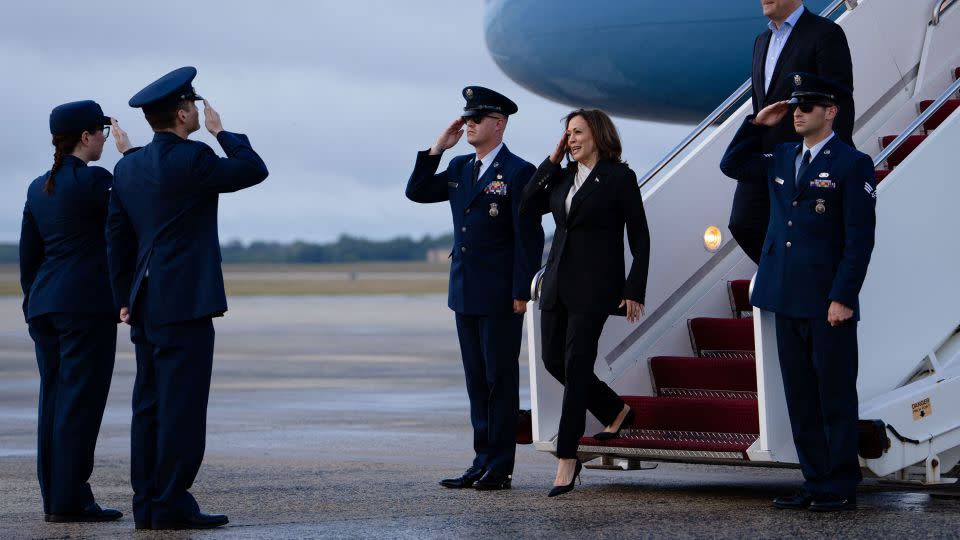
{"x": 699, "y": 373}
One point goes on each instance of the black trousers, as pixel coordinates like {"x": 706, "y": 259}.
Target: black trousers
{"x": 750, "y": 217}
{"x": 819, "y": 367}
{"x": 75, "y": 356}
{"x": 569, "y": 349}
{"x": 490, "y": 348}
{"x": 168, "y": 432}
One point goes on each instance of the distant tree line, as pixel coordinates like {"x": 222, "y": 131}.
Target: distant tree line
{"x": 345, "y": 250}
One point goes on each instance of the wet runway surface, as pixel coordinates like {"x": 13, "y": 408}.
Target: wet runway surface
{"x": 335, "y": 417}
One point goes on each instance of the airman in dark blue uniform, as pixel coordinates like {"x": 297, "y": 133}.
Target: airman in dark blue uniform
{"x": 813, "y": 263}
{"x": 69, "y": 309}
{"x": 496, "y": 253}
{"x": 164, "y": 255}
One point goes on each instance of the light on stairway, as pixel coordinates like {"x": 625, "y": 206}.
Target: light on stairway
{"x": 712, "y": 238}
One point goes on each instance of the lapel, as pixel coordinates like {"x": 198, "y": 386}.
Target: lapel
{"x": 788, "y": 48}
{"x": 821, "y": 163}
{"x": 759, "y": 61}
{"x": 593, "y": 181}
{"x": 790, "y": 179}
{"x": 489, "y": 175}
{"x": 558, "y": 197}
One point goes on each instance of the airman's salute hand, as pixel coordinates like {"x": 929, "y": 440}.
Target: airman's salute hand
{"x": 449, "y": 138}
{"x": 772, "y": 114}
{"x": 211, "y": 119}
{"x": 120, "y": 137}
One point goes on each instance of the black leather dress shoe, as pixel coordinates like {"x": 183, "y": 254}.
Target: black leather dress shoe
{"x": 833, "y": 503}
{"x": 88, "y": 514}
{"x": 798, "y": 501}
{"x": 466, "y": 480}
{"x": 196, "y": 521}
{"x": 493, "y": 480}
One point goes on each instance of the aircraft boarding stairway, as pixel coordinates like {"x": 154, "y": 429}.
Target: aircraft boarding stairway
{"x": 701, "y": 372}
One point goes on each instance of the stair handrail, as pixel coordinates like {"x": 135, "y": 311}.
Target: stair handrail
{"x": 938, "y": 10}
{"x": 917, "y": 122}
{"x": 724, "y": 107}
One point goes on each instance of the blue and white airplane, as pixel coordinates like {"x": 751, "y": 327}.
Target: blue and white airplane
{"x": 670, "y": 61}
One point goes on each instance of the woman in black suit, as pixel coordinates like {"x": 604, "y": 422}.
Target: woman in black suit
{"x": 592, "y": 200}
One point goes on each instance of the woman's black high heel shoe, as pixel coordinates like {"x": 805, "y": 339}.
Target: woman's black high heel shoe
{"x": 607, "y": 435}
{"x": 560, "y": 490}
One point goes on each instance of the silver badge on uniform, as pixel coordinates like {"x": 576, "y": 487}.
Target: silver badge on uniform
{"x": 499, "y": 177}
{"x": 824, "y": 175}
{"x": 821, "y": 206}
{"x": 494, "y": 211}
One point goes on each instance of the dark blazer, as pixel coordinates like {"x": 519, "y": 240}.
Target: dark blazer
{"x": 585, "y": 268}
{"x": 821, "y": 234}
{"x": 63, "y": 254}
{"x": 816, "y": 45}
{"x": 163, "y": 219}
{"x": 496, "y": 252}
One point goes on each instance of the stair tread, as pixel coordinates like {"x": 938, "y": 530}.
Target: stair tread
{"x": 942, "y": 113}
{"x": 721, "y": 334}
{"x": 901, "y": 153}
{"x": 694, "y": 414}
{"x": 677, "y": 440}
{"x": 705, "y": 373}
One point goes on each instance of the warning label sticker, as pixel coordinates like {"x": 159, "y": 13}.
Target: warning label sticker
{"x": 922, "y": 409}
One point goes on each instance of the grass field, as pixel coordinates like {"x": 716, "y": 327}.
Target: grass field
{"x": 309, "y": 279}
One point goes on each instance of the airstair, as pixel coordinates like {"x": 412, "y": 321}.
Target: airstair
{"x": 701, "y": 369}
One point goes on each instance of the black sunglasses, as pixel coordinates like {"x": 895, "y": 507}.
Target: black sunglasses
{"x": 477, "y": 118}
{"x": 808, "y": 107}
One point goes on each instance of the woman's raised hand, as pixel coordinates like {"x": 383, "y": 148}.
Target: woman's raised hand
{"x": 561, "y": 149}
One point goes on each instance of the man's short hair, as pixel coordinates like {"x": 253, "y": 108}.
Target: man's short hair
{"x": 164, "y": 115}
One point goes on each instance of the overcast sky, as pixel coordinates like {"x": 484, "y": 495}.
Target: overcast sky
{"x": 336, "y": 96}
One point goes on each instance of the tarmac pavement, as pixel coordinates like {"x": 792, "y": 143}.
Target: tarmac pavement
{"x": 334, "y": 417}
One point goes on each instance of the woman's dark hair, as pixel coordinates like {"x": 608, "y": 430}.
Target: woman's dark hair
{"x": 63, "y": 145}
{"x": 604, "y": 133}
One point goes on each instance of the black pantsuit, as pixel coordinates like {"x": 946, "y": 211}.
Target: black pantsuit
{"x": 75, "y": 356}
{"x": 585, "y": 281}
{"x": 569, "y": 345}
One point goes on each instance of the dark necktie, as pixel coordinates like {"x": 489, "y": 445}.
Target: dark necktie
{"x": 804, "y": 163}
{"x": 476, "y": 171}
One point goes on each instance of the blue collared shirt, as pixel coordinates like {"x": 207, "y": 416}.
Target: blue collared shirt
{"x": 777, "y": 41}
{"x": 813, "y": 152}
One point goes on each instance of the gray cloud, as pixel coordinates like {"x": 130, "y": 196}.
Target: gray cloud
{"x": 336, "y": 96}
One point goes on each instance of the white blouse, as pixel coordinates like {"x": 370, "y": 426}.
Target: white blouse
{"x": 582, "y": 173}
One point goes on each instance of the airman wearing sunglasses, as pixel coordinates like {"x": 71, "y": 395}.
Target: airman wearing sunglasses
{"x": 495, "y": 256}
{"x": 812, "y": 265}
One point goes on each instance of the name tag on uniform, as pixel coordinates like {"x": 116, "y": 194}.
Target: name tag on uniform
{"x": 497, "y": 187}
{"x": 823, "y": 183}
{"x": 778, "y": 180}
{"x": 452, "y": 184}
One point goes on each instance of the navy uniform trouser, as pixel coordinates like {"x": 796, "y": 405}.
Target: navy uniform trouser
{"x": 490, "y": 349}
{"x": 168, "y": 432}
{"x": 75, "y": 355}
{"x": 569, "y": 348}
{"x": 819, "y": 367}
